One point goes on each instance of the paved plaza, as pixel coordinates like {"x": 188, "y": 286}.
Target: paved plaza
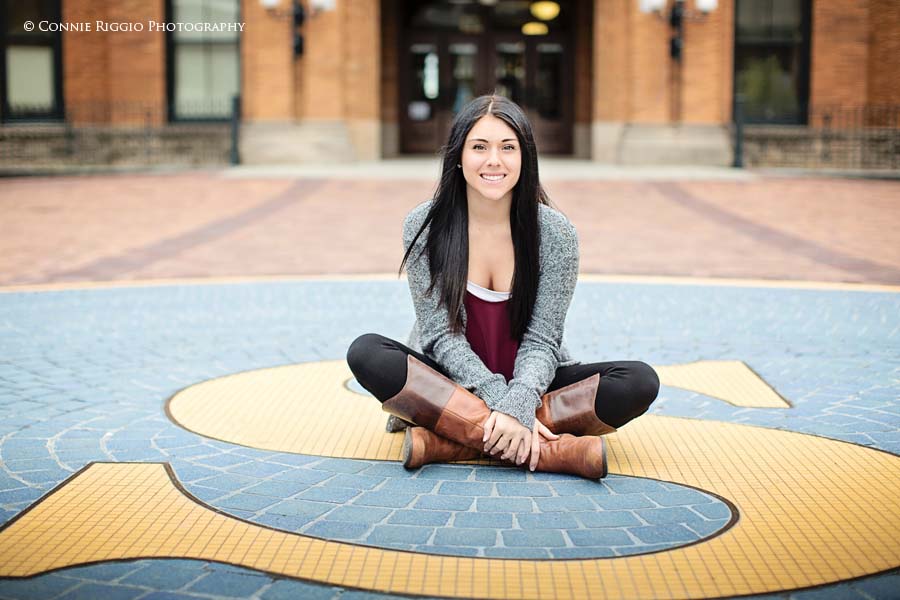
{"x": 178, "y": 420}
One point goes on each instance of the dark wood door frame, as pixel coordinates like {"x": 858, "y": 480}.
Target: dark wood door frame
{"x": 419, "y": 137}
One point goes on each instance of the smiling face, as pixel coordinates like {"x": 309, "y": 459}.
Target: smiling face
{"x": 491, "y": 159}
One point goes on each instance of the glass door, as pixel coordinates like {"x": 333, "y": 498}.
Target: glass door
{"x": 509, "y": 69}
{"x": 550, "y": 104}
{"x": 462, "y": 74}
{"x": 445, "y": 70}
{"x": 532, "y": 72}
{"x": 420, "y": 116}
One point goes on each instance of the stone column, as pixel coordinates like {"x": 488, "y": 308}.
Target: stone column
{"x": 362, "y": 77}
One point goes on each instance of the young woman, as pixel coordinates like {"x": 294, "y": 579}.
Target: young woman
{"x": 492, "y": 268}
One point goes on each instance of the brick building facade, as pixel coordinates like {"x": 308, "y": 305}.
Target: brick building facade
{"x": 351, "y": 94}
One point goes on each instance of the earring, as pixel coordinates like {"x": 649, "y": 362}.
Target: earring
{"x": 458, "y": 166}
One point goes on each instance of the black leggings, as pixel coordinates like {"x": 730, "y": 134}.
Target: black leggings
{"x": 626, "y": 390}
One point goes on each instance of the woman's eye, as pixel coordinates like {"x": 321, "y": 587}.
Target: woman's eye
{"x": 510, "y": 146}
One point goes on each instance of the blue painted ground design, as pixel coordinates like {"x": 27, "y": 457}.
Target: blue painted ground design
{"x": 84, "y": 375}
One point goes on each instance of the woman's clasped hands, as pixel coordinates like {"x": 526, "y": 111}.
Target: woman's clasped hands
{"x": 503, "y": 433}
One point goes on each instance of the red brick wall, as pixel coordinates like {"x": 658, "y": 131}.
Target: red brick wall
{"x": 611, "y": 66}
{"x": 349, "y": 67}
{"x": 125, "y": 69}
{"x": 884, "y": 52}
{"x": 839, "y": 53}
{"x": 649, "y": 66}
{"x": 362, "y": 61}
{"x": 267, "y": 62}
{"x": 322, "y": 84}
{"x": 85, "y": 64}
{"x": 635, "y": 79}
{"x": 707, "y": 66}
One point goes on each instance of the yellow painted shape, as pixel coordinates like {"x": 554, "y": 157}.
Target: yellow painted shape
{"x": 812, "y": 511}
{"x": 296, "y": 408}
{"x": 728, "y": 380}
{"x": 301, "y": 409}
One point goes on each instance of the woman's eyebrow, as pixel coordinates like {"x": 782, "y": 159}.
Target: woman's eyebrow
{"x": 484, "y": 140}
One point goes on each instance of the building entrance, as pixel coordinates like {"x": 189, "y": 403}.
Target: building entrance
{"x": 453, "y": 51}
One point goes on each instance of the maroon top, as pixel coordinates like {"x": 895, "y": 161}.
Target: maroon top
{"x": 488, "y": 332}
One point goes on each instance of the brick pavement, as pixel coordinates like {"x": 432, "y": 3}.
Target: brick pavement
{"x": 202, "y": 224}
{"x": 84, "y": 373}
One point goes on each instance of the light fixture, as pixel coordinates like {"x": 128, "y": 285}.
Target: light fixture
{"x": 317, "y": 6}
{"x": 535, "y": 28}
{"x": 659, "y": 6}
{"x": 649, "y": 6}
{"x": 295, "y": 13}
{"x": 545, "y": 10}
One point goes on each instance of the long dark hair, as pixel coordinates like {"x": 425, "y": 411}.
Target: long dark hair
{"x": 447, "y": 244}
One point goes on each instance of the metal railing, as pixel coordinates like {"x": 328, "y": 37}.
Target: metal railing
{"x": 96, "y": 134}
{"x": 864, "y": 138}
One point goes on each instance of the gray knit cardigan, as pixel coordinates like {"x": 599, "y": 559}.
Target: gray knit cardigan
{"x": 542, "y": 349}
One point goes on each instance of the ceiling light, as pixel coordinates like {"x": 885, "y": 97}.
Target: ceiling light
{"x": 535, "y": 28}
{"x": 544, "y": 10}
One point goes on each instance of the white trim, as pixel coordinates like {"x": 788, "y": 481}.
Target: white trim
{"x": 486, "y": 294}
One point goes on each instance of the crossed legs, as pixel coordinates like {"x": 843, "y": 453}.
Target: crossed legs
{"x": 626, "y": 390}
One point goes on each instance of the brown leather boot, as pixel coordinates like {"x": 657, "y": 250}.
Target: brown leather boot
{"x": 584, "y": 456}
{"x": 567, "y": 410}
{"x": 576, "y": 455}
{"x": 421, "y": 447}
{"x": 571, "y": 409}
{"x": 395, "y": 424}
{"x": 430, "y": 400}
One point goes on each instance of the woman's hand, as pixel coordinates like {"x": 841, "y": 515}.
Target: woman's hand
{"x": 503, "y": 433}
{"x": 539, "y": 430}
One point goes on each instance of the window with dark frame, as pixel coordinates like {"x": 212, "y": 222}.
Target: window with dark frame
{"x": 771, "y": 60}
{"x": 203, "y": 66}
{"x": 30, "y": 61}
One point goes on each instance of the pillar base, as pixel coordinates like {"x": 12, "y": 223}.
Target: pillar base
{"x": 280, "y": 143}
{"x": 640, "y": 144}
